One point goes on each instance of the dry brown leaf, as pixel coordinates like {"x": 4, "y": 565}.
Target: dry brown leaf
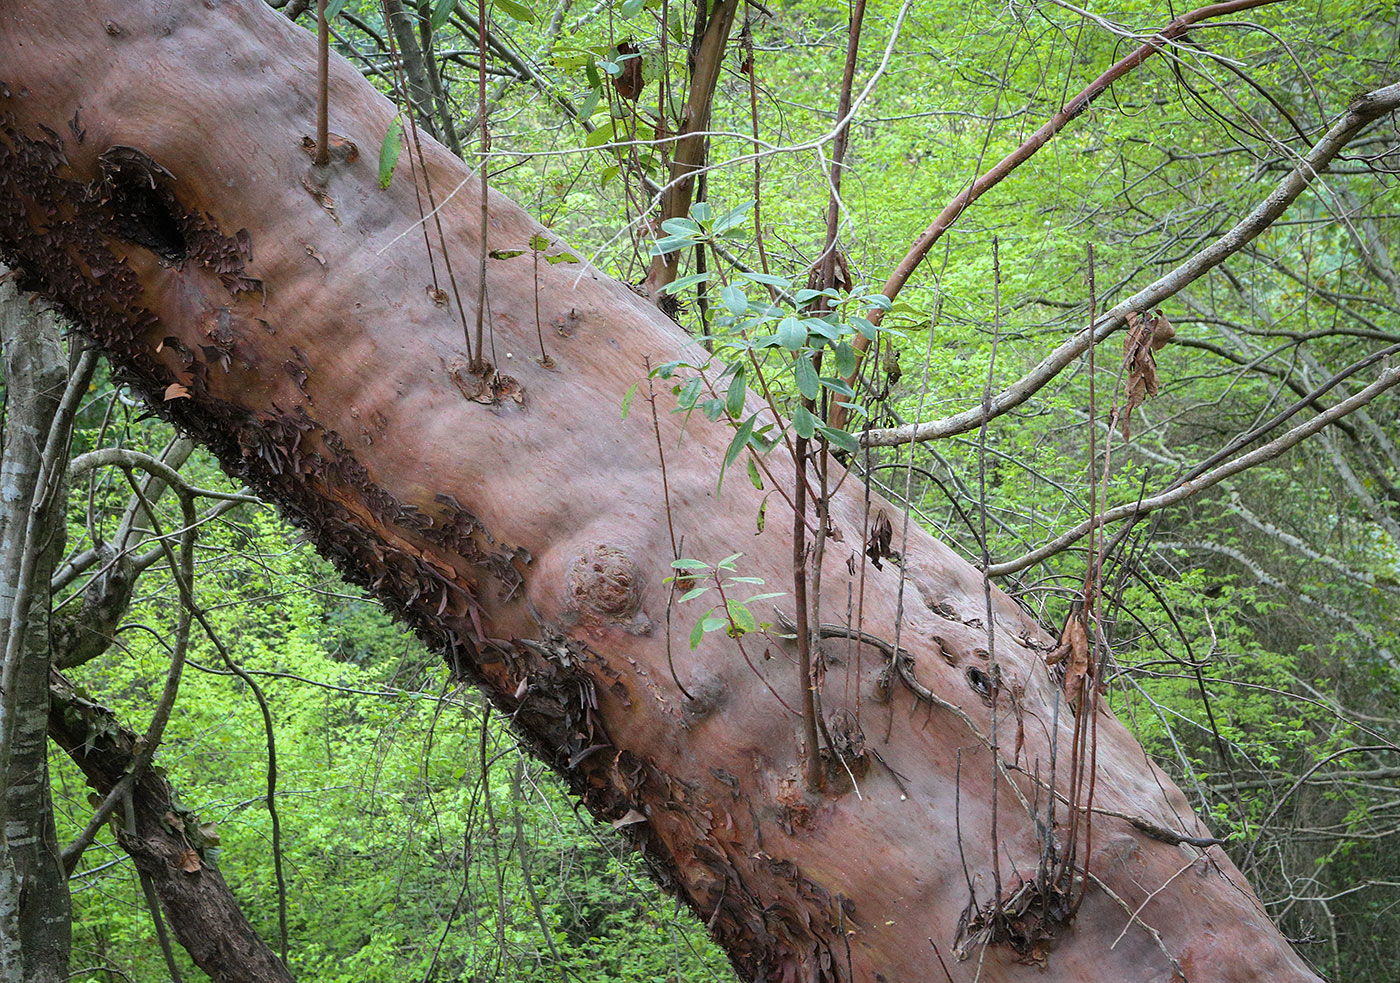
{"x": 1073, "y": 650}
{"x": 629, "y": 82}
{"x": 877, "y": 542}
{"x": 176, "y": 391}
{"x": 1162, "y": 331}
{"x": 1139, "y": 367}
{"x": 189, "y": 861}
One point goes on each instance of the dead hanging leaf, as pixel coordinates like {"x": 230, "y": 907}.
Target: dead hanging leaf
{"x": 176, "y": 391}
{"x": 629, "y": 82}
{"x": 1162, "y": 331}
{"x": 893, "y": 370}
{"x": 189, "y": 861}
{"x": 877, "y": 542}
{"x": 843, "y": 281}
{"x": 209, "y": 832}
{"x": 1018, "y": 694}
{"x": 1073, "y": 650}
{"x": 1139, "y": 367}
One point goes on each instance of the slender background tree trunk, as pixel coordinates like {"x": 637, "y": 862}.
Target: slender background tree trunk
{"x": 34, "y": 905}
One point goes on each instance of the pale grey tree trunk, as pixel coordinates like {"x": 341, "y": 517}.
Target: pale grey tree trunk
{"x": 34, "y": 902}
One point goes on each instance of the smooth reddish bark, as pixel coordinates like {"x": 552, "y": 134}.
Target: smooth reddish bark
{"x": 527, "y": 537}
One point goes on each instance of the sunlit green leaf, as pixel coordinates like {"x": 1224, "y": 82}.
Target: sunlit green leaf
{"x": 389, "y": 152}
{"x": 741, "y": 616}
{"x": 515, "y": 10}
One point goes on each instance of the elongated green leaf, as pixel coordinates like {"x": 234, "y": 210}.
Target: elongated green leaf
{"x": 768, "y": 279}
{"x": 670, "y": 244}
{"x": 631, "y": 8}
{"x": 686, "y": 563}
{"x": 840, "y": 438}
{"x": 765, "y": 597}
{"x": 697, "y": 634}
{"x": 807, "y": 382}
{"x": 737, "y": 445}
{"x": 590, "y": 103}
{"x": 732, "y": 218}
{"x": 755, "y": 478}
{"x": 442, "y": 10}
{"x": 693, "y": 593}
{"x": 688, "y": 394}
{"x": 735, "y": 299}
{"x": 389, "y": 152}
{"x": 741, "y": 616}
{"x": 516, "y": 10}
{"x": 791, "y": 334}
{"x": 675, "y": 286}
{"x": 845, "y": 359}
{"x": 738, "y": 389}
{"x": 681, "y": 227}
{"x": 627, "y": 400}
{"x": 600, "y": 136}
{"x": 804, "y": 422}
{"x": 839, "y": 387}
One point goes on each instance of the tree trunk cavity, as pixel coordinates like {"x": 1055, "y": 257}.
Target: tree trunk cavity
{"x": 152, "y": 179}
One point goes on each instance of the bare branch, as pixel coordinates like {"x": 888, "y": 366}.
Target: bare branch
{"x": 1388, "y": 378}
{"x": 1364, "y": 110}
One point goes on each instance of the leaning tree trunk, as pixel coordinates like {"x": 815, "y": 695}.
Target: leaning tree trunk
{"x": 153, "y": 179}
